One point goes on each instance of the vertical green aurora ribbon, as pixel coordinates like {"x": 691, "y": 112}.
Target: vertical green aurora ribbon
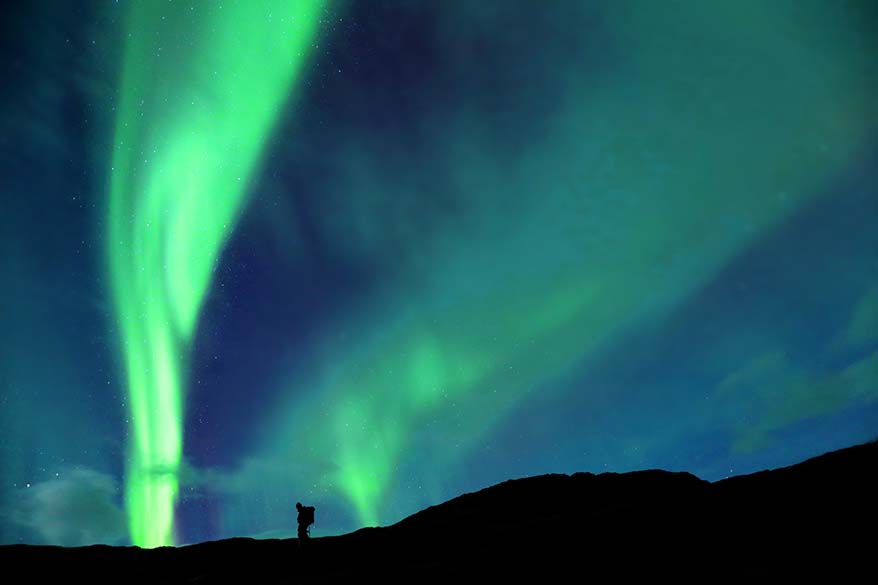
{"x": 201, "y": 88}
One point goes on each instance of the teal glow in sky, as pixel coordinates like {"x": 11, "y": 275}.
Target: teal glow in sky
{"x": 371, "y": 256}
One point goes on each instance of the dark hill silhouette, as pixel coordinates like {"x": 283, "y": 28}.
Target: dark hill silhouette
{"x": 817, "y": 516}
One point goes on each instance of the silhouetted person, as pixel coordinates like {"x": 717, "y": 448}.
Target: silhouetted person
{"x": 305, "y": 520}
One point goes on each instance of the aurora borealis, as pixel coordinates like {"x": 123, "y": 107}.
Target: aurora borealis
{"x": 372, "y": 255}
{"x": 199, "y": 93}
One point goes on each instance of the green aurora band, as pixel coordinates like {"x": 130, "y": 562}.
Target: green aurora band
{"x": 201, "y": 89}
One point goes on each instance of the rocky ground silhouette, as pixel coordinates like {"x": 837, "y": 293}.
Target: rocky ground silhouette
{"x": 810, "y": 519}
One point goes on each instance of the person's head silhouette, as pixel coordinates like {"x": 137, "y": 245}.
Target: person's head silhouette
{"x": 299, "y": 506}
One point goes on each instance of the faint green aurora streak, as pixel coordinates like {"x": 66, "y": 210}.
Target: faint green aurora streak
{"x": 546, "y": 263}
{"x": 201, "y": 88}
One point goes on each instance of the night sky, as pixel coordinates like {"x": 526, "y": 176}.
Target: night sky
{"x": 370, "y": 255}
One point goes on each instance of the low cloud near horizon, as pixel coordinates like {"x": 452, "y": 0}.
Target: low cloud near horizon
{"x": 78, "y": 508}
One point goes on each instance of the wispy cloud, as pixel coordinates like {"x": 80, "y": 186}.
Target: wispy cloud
{"x": 771, "y": 392}
{"x": 79, "y": 508}
{"x": 863, "y": 326}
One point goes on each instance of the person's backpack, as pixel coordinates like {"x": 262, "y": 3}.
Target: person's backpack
{"x": 307, "y": 515}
